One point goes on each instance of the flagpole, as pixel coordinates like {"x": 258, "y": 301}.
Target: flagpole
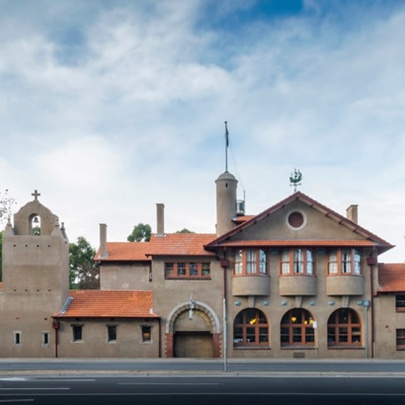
{"x": 226, "y": 145}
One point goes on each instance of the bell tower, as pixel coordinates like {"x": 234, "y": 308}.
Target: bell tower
{"x": 35, "y": 280}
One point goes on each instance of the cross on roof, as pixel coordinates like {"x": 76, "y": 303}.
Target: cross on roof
{"x": 36, "y": 194}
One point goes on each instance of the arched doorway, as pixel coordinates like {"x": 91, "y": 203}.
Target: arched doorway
{"x": 193, "y": 331}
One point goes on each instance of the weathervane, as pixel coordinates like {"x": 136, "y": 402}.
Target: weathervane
{"x": 295, "y": 179}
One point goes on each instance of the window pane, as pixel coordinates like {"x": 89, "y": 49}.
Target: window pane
{"x": 333, "y": 267}
{"x": 263, "y": 262}
{"x": 112, "y": 333}
{"x": 169, "y": 269}
{"x": 357, "y": 262}
{"x": 309, "y": 334}
{"x": 346, "y": 261}
{"x": 285, "y": 268}
{"x": 310, "y": 262}
{"x": 181, "y": 269}
{"x": 343, "y": 316}
{"x": 146, "y": 334}
{"x": 206, "y": 269}
{"x": 400, "y": 301}
{"x": 250, "y": 261}
{"x": 193, "y": 269}
{"x": 238, "y": 262}
{"x": 77, "y": 333}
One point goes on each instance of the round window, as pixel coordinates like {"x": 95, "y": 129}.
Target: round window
{"x": 296, "y": 219}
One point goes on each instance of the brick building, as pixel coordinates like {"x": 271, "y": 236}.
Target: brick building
{"x": 295, "y": 281}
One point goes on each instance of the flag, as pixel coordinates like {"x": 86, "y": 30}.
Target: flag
{"x": 226, "y": 135}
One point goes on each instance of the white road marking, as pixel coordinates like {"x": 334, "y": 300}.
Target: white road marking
{"x": 180, "y": 384}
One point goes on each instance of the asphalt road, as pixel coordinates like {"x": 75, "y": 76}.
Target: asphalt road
{"x": 202, "y": 390}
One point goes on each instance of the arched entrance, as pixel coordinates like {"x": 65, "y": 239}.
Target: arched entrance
{"x": 193, "y": 331}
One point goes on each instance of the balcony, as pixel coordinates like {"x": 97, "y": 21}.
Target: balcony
{"x": 297, "y": 285}
{"x": 250, "y": 285}
{"x": 345, "y": 285}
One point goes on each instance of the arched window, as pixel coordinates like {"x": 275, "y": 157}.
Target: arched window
{"x": 297, "y": 328}
{"x": 250, "y": 328}
{"x": 344, "y": 328}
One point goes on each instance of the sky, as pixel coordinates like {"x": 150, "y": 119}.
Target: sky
{"x": 108, "y": 107}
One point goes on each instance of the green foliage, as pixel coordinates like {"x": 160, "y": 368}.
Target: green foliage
{"x": 84, "y": 270}
{"x": 185, "y": 230}
{"x": 140, "y": 233}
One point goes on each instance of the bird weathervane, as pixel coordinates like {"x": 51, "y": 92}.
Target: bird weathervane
{"x": 295, "y": 179}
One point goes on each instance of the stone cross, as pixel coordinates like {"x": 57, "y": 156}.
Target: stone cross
{"x": 35, "y": 194}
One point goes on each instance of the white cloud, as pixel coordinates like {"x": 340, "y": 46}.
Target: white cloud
{"x": 123, "y": 106}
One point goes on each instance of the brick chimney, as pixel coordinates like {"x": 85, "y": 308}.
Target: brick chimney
{"x": 160, "y": 216}
{"x": 352, "y": 213}
{"x": 103, "y": 241}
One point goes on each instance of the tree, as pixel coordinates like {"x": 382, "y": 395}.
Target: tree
{"x": 6, "y": 206}
{"x": 84, "y": 270}
{"x": 140, "y": 233}
{"x": 185, "y": 230}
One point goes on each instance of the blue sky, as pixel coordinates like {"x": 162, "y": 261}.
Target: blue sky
{"x": 109, "y": 107}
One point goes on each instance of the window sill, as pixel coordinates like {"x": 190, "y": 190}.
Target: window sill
{"x": 345, "y": 348}
{"x": 251, "y": 348}
{"x": 292, "y": 347}
{"x": 189, "y": 278}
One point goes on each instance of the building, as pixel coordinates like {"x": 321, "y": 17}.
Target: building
{"x": 295, "y": 281}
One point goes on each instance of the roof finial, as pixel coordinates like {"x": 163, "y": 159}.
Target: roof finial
{"x": 295, "y": 179}
{"x": 226, "y": 145}
{"x": 35, "y": 194}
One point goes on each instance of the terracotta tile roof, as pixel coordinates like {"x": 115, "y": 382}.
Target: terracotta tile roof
{"x": 391, "y": 277}
{"x": 171, "y": 244}
{"x": 183, "y": 244}
{"x": 297, "y": 242}
{"x": 108, "y": 304}
{"x": 125, "y": 251}
{"x": 381, "y": 244}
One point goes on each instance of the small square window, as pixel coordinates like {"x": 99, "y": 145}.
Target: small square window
{"x": 17, "y": 338}
{"x": 112, "y": 333}
{"x": 77, "y": 333}
{"x": 45, "y": 338}
{"x": 169, "y": 270}
{"x": 400, "y": 339}
{"x": 400, "y": 302}
{"x": 146, "y": 334}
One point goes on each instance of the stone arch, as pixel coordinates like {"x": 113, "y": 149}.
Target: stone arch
{"x": 34, "y": 224}
{"x": 197, "y": 306}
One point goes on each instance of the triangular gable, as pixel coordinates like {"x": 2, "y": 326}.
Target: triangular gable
{"x": 355, "y": 235}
